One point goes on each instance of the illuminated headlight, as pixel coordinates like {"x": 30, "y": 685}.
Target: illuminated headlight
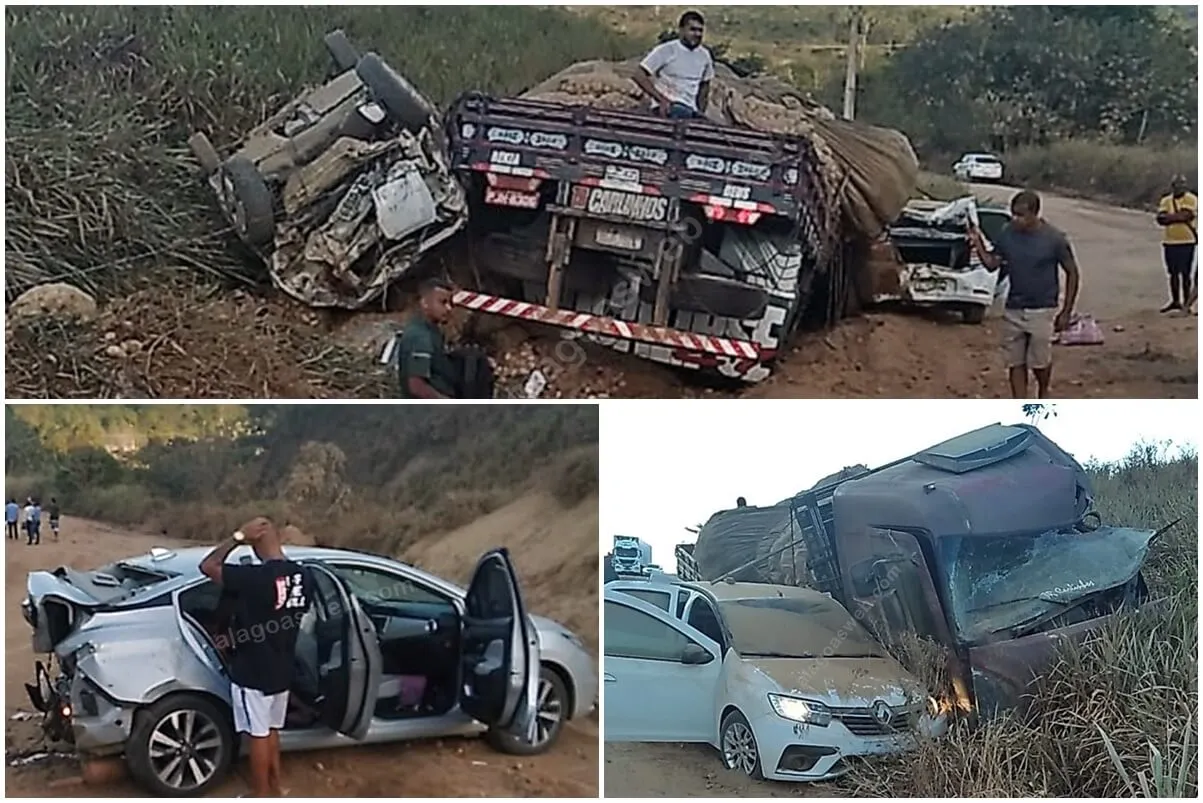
{"x": 467, "y": 131}
{"x": 799, "y": 710}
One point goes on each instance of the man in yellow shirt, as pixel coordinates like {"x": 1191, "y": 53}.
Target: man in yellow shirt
{"x": 1178, "y": 214}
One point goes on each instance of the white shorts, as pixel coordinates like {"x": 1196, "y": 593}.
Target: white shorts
{"x": 257, "y": 713}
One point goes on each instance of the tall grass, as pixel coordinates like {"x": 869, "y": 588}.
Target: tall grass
{"x": 1116, "y": 714}
{"x": 100, "y": 189}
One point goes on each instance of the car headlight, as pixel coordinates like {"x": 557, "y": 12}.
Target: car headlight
{"x": 799, "y": 710}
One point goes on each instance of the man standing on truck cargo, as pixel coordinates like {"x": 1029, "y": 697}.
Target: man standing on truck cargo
{"x": 1034, "y": 252}
{"x": 1178, "y": 214}
{"x": 676, "y": 74}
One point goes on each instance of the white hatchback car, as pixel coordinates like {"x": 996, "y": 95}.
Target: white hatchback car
{"x": 782, "y": 680}
{"x": 978, "y": 167}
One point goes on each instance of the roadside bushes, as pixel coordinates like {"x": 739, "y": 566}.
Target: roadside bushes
{"x": 1130, "y": 175}
{"x": 1116, "y": 715}
{"x": 371, "y": 478}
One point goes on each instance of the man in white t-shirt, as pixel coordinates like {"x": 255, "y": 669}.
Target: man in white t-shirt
{"x": 676, "y": 75}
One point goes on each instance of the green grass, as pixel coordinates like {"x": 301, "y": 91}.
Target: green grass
{"x": 1116, "y": 715}
{"x": 100, "y": 188}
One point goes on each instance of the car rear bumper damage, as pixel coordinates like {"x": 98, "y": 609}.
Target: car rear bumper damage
{"x": 935, "y": 284}
{"x": 75, "y": 711}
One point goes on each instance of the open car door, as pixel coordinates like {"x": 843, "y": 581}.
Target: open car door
{"x": 500, "y": 650}
{"x": 337, "y": 645}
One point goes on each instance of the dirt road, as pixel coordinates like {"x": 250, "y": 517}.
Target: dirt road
{"x": 437, "y": 768}
{"x": 689, "y": 770}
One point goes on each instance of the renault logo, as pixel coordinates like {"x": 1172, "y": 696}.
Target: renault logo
{"x": 882, "y": 713}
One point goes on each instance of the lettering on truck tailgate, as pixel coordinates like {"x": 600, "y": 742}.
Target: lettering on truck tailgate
{"x": 603, "y": 201}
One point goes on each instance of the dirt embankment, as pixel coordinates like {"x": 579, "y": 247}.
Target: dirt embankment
{"x": 554, "y": 550}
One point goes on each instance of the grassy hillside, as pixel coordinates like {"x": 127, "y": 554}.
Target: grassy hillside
{"x": 375, "y": 477}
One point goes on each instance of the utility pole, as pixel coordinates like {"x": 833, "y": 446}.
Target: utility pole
{"x": 854, "y": 42}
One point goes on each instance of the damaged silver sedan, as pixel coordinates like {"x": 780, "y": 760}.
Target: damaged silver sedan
{"x": 345, "y": 188}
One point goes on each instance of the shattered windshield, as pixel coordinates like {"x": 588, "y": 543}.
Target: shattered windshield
{"x": 996, "y": 583}
{"x": 794, "y": 627}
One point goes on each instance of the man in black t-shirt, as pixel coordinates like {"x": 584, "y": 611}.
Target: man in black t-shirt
{"x": 269, "y": 599}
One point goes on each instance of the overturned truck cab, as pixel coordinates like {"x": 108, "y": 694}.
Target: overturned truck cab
{"x": 986, "y": 544}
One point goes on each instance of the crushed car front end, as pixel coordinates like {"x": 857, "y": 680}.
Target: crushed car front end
{"x": 814, "y": 732}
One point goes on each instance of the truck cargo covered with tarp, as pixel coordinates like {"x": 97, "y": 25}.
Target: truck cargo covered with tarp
{"x": 996, "y": 480}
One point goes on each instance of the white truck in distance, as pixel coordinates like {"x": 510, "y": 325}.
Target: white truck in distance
{"x": 631, "y": 556}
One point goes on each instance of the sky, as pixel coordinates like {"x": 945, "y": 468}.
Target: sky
{"x": 667, "y": 465}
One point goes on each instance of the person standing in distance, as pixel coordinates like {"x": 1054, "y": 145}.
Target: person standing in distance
{"x": 27, "y": 519}
{"x": 54, "y": 513}
{"x": 12, "y": 514}
{"x": 1034, "y": 252}
{"x": 676, "y": 74}
{"x": 1178, "y": 214}
{"x": 268, "y": 600}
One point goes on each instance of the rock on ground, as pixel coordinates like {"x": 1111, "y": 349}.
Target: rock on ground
{"x": 57, "y": 300}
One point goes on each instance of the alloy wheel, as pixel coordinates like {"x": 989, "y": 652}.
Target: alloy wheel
{"x": 185, "y": 749}
{"x": 549, "y": 712}
{"x": 739, "y": 748}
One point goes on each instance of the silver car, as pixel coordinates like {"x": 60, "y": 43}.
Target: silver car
{"x": 386, "y": 652}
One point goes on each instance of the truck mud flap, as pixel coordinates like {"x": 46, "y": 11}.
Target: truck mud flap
{"x": 689, "y": 342}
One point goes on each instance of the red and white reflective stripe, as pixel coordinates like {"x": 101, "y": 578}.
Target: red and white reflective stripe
{"x": 608, "y": 327}
{"x": 725, "y": 214}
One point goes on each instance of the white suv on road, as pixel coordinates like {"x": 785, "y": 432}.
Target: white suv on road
{"x": 978, "y": 167}
{"x": 782, "y": 680}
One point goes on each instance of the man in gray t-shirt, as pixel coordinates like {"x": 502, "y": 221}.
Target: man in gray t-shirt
{"x": 1034, "y": 252}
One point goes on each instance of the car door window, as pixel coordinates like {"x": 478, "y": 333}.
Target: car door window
{"x": 703, "y": 619}
{"x": 374, "y": 585}
{"x": 631, "y": 633}
{"x": 661, "y": 599}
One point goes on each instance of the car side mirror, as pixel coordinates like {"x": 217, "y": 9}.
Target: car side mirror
{"x": 696, "y": 655}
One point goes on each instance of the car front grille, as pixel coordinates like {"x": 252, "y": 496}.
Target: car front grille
{"x": 862, "y": 722}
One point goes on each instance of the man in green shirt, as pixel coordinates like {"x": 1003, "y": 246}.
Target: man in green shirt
{"x": 426, "y": 368}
